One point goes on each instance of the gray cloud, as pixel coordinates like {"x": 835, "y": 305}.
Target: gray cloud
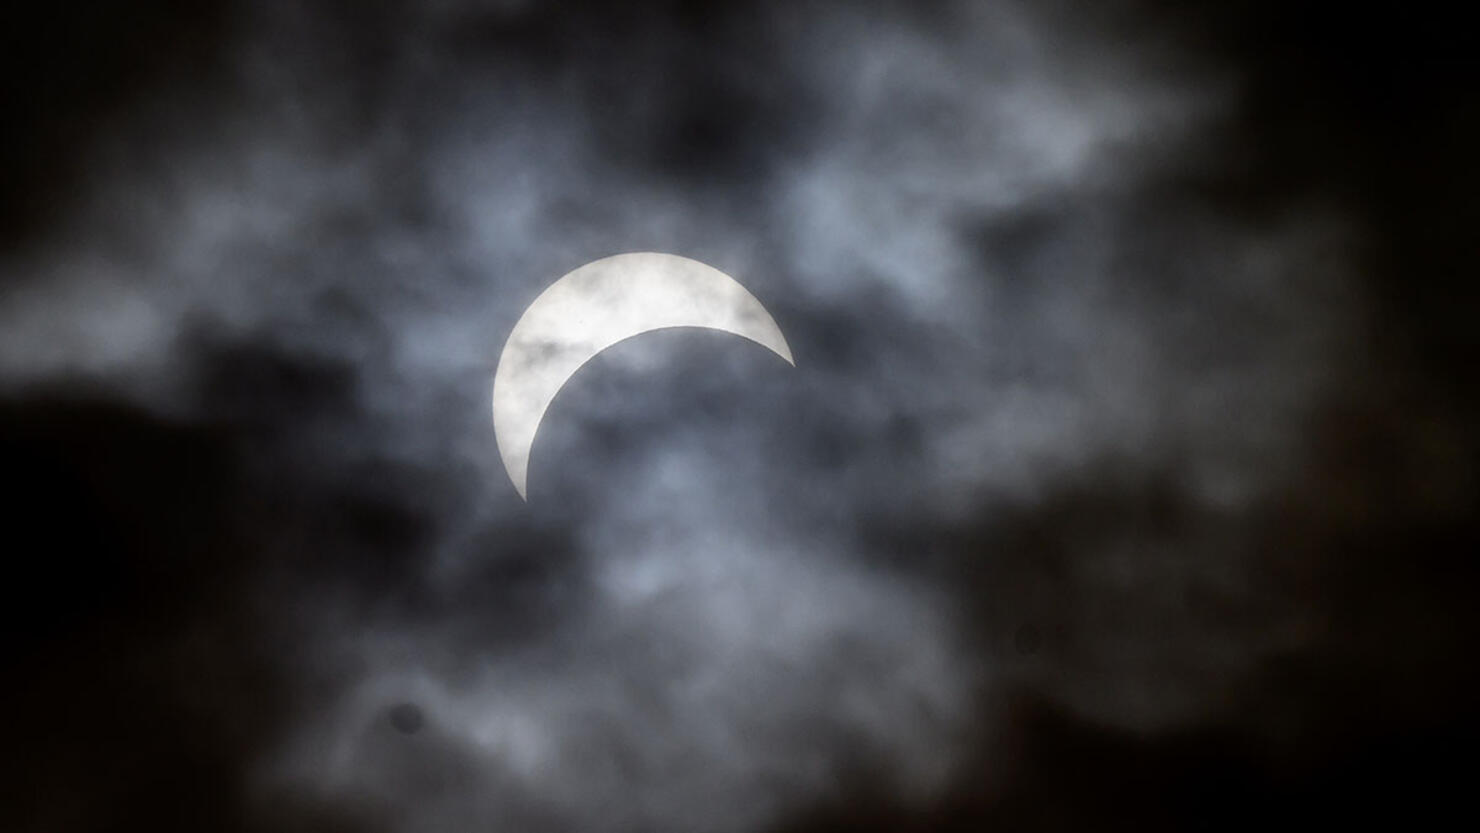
{"x": 737, "y": 585}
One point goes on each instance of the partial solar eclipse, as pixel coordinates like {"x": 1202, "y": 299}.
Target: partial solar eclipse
{"x": 596, "y": 306}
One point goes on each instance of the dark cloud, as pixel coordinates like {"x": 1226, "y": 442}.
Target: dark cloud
{"x": 1125, "y": 478}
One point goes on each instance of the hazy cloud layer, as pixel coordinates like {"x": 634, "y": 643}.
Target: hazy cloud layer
{"x": 1047, "y": 390}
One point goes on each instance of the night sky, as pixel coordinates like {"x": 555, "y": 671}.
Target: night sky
{"x": 1126, "y": 478}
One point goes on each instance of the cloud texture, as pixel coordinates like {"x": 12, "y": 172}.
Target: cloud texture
{"x": 1063, "y": 441}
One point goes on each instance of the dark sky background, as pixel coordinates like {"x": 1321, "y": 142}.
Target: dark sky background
{"x": 1126, "y": 479}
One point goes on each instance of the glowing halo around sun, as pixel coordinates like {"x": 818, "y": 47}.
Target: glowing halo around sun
{"x": 596, "y": 306}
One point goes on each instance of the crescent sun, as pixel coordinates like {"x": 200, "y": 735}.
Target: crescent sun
{"x": 596, "y": 306}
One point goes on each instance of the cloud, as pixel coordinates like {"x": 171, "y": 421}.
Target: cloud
{"x": 1042, "y": 380}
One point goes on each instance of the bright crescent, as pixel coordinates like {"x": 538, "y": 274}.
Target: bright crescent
{"x": 596, "y": 306}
